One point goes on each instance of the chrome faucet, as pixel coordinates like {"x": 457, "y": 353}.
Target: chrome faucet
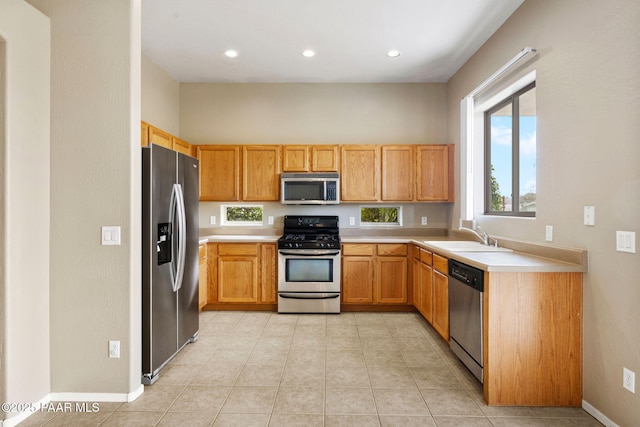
{"x": 483, "y": 235}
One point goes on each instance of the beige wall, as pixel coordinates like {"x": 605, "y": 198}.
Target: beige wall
{"x": 588, "y": 104}
{"x": 24, "y": 217}
{"x": 95, "y": 181}
{"x": 245, "y": 113}
{"x": 161, "y": 98}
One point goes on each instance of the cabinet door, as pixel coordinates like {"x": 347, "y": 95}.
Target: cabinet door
{"x": 426, "y": 291}
{"x": 391, "y": 280}
{"x": 202, "y": 276}
{"x": 441, "y": 304}
{"x": 324, "y": 158}
{"x": 160, "y": 137}
{"x": 260, "y": 172}
{"x": 182, "y": 146}
{"x": 268, "y": 273}
{"x": 398, "y": 178}
{"x": 219, "y": 172}
{"x": 357, "y": 278}
{"x": 295, "y": 158}
{"x": 360, "y": 180}
{"x": 238, "y": 279}
{"x": 435, "y": 173}
{"x": 415, "y": 280}
{"x": 212, "y": 273}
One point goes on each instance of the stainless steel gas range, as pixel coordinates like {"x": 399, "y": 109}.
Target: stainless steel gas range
{"x": 309, "y": 265}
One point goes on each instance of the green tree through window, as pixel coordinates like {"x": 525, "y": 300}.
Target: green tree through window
{"x": 386, "y": 215}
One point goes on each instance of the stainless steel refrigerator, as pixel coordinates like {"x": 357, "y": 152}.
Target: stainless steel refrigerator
{"x": 169, "y": 256}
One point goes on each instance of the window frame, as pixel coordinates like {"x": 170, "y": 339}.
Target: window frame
{"x": 514, "y": 101}
{"x": 381, "y": 224}
{"x": 225, "y": 222}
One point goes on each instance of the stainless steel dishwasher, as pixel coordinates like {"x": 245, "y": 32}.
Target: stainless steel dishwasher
{"x": 466, "y": 291}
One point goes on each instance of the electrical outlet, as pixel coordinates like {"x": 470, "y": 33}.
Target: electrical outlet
{"x": 270, "y": 220}
{"x": 424, "y": 220}
{"x": 212, "y": 220}
{"x": 352, "y": 220}
{"x": 114, "y": 349}
{"x": 589, "y": 215}
{"x": 549, "y": 233}
{"x": 629, "y": 380}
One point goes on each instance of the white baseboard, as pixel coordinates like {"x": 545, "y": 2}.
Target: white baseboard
{"x": 597, "y": 414}
{"x": 97, "y": 397}
{"x": 74, "y": 397}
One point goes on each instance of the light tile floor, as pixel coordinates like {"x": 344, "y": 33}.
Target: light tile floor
{"x": 351, "y": 369}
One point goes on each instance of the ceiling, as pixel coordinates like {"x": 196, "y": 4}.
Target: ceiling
{"x": 188, "y": 38}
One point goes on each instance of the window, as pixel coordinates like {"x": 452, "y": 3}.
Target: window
{"x": 241, "y": 215}
{"x": 381, "y": 215}
{"x": 510, "y": 155}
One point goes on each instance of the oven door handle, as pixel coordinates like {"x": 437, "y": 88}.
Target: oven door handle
{"x": 309, "y": 296}
{"x": 315, "y": 253}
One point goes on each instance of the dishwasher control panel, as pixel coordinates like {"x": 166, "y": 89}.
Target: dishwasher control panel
{"x": 467, "y": 274}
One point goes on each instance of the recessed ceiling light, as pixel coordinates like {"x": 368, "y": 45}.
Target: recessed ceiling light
{"x": 393, "y": 53}
{"x": 308, "y": 53}
{"x": 231, "y": 53}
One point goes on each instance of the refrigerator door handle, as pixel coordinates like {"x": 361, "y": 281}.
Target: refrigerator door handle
{"x": 177, "y": 206}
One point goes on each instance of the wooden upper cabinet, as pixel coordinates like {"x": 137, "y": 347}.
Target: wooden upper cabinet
{"x": 260, "y": 172}
{"x": 182, "y": 146}
{"x": 295, "y": 158}
{"x": 324, "y": 158}
{"x": 219, "y": 172}
{"x": 160, "y": 137}
{"x": 435, "y": 173}
{"x": 310, "y": 158}
{"x": 360, "y": 180}
{"x": 144, "y": 134}
{"x": 398, "y": 176}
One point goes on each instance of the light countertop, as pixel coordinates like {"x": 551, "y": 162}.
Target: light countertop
{"x": 521, "y": 258}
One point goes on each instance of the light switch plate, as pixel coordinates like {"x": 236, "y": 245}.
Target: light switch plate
{"x": 549, "y": 233}
{"x": 589, "y": 215}
{"x": 626, "y": 241}
{"x": 212, "y": 220}
{"x": 110, "y": 235}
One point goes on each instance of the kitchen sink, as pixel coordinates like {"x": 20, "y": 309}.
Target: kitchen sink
{"x": 464, "y": 246}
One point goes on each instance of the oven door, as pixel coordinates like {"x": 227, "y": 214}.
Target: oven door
{"x": 309, "y": 270}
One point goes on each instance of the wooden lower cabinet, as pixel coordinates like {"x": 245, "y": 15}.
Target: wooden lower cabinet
{"x": 431, "y": 289}
{"x": 440, "y": 301}
{"x": 268, "y": 273}
{"x": 533, "y": 339}
{"x": 241, "y": 273}
{"x": 374, "y": 273}
{"x": 202, "y": 276}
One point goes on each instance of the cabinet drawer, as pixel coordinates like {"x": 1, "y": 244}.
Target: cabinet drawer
{"x": 392, "y": 249}
{"x": 357, "y": 249}
{"x": 427, "y": 257}
{"x": 441, "y": 264}
{"x": 238, "y": 249}
{"x": 202, "y": 251}
{"x": 415, "y": 251}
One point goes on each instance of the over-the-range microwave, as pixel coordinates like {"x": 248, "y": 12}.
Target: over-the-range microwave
{"x": 310, "y": 188}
